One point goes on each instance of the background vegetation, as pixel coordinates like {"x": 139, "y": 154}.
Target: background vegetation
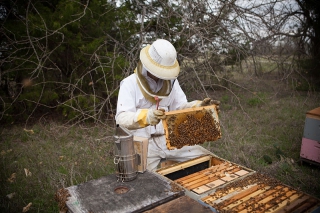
{"x": 61, "y": 63}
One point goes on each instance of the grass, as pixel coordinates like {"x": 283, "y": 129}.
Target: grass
{"x": 262, "y": 127}
{"x": 57, "y": 156}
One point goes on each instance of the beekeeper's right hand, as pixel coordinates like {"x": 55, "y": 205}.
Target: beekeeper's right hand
{"x": 151, "y": 117}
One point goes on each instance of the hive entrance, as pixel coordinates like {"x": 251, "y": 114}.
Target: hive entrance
{"x": 121, "y": 189}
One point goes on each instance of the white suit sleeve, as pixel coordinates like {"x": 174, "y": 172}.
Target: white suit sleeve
{"x": 180, "y": 99}
{"x": 127, "y": 114}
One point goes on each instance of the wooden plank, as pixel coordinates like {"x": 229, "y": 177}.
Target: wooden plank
{"x": 233, "y": 171}
{"x": 266, "y": 199}
{"x": 203, "y": 173}
{"x": 241, "y": 172}
{"x": 284, "y": 200}
{"x": 267, "y": 202}
{"x": 183, "y": 165}
{"x": 180, "y": 205}
{"x": 315, "y": 208}
{"x": 254, "y": 204}
{"x": 239, "y": 196}
{"x": 214, "y": 198}
{"x": 239, "y": 202}
{"x": 248, "y": 200}
{"x": 308, "y": 205}
{"x": 265, "y": 195}
{"x": 314, "y": 113}
{"x": 215, "y": 183}
{"x": 229, "y": 178}
{"x": 201, "y": 189}
{"x": 216, "y": 161}
{"x": 197, "y": 175}
{"x": 209, "y": 179}
{"x": 294, "y": 203}
{"x": 202, "y": 181}
{"x": 167, "y": 163}
{"x": 201, "y": 176}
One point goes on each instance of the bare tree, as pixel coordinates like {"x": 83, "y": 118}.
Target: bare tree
{"x": 74, "y": 59}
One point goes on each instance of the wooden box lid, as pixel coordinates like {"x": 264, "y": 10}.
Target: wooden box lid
{"x": 191, "y": 126}
{"x": 180, "y": 205}
{"x": 315, "y": 113}
{"x": 106, "y": 194}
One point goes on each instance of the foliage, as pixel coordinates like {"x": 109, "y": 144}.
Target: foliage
{"x": 257, "y": 100}
{"x": 309, "y": 32}
{"x": 62, "y": 46}
{"x": 311, "y": 75}
{"x": 84, "y": 48}
{"x": 80, "y": 106}
{"x": 46, "y": 159}
{"x": 266, "y": 140}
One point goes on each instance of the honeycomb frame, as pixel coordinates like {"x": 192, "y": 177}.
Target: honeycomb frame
{"x": 191, "y": 126}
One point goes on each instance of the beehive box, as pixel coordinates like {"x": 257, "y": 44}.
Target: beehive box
{"x": 107, "y": 194}
{"x": 182, "y": 204}
{"x": 259, "y": 193}
{"x": 191, "y": 126}
{"x": 310, "y": 146}
{"x": 203, "y": 175}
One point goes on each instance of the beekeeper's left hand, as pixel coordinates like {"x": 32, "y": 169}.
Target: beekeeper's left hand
{"x": 209, "y": 101}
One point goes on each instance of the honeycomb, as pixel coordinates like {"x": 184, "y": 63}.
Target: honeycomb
{"x": 196, "y": 126}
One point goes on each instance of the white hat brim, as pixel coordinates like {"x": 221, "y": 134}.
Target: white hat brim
{"x": 156, "y": 69}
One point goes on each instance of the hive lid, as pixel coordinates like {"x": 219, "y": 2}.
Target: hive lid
{"x": 314, "y": 112}
{"x": 191, "y": 126}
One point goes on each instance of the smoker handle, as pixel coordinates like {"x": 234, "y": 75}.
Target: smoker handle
{"x": 118, "y": 144}
{"x": 114, "y": 160}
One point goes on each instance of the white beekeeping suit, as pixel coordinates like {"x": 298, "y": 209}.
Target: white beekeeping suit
{"x": 155, "y": 76}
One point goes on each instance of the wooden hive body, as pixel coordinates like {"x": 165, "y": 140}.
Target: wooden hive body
{"x": 203, "y": 175}
{"x": 259, "y": 193}
{"x": 224, "y": 186}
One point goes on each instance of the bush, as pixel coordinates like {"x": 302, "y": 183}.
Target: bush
{"x": 82, "y": 106}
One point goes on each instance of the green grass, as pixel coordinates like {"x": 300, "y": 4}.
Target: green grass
{"x": 57, "y": 156}
{"x": 268, "y": 121}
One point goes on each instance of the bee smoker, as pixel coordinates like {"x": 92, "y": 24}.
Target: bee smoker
{"x": 125, "y": 158}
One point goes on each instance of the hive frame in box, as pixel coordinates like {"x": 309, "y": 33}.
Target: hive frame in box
{"x": 210, "y": 160}
{"x": 260, "y": 193}
{"x": 175, "y": 118}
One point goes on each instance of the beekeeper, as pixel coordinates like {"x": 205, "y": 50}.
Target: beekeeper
{"x": 155, "y": 76}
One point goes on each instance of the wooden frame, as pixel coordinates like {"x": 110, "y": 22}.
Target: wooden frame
{"x": 175, "y": 118}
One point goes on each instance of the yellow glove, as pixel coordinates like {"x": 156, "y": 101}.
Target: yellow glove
{"x": 151, "y": 117}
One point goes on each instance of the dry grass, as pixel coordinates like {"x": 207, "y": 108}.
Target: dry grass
{"x": 57, "y": 156}
{"x": 260, "y": 123}
{"x": 263, "y": 128}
